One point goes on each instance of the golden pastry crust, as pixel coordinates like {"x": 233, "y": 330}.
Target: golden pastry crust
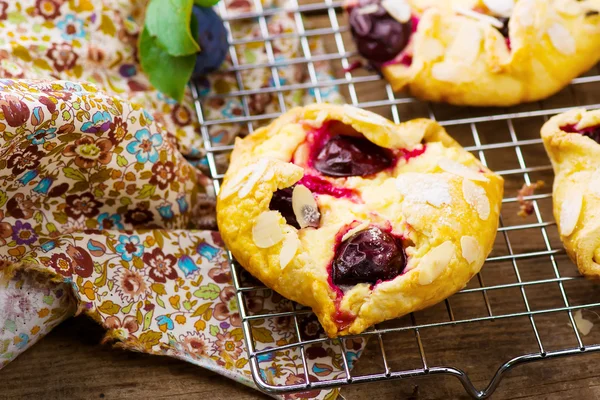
{"x": 448, "y": 221}
{"x": 465, "y": 61}
{"x": 576, "y": 192}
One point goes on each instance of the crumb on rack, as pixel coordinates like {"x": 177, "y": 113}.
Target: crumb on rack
{"x": 527, "y": 205}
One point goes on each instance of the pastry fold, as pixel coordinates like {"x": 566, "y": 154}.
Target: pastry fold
{"x": 576, "y": 192}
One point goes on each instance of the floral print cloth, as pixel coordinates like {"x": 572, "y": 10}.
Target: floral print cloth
{"x": 102, "y": 208}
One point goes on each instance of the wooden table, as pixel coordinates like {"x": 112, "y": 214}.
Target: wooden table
{"x": 71, "y": 364}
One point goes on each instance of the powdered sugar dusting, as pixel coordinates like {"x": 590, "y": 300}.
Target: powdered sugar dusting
{"x": 477, "y": 198}
{"x": 424, "y": 188}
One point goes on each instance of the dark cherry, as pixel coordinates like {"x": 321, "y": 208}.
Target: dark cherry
{"x": 378, "y": 36}
{"x": 504, "y": 29}
{"x": 593, "y": 133}
{"x": 368, "y": 257}
{"x": 282, "y": 202}
{"x": 351, "y": 156}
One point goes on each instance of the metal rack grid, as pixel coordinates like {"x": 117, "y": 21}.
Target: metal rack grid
{"x": 506, "y": 140}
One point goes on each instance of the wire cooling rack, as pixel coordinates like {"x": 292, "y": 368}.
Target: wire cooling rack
{"x": 528, "y": 288}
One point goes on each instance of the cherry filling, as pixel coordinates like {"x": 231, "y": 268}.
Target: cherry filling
{"x": 593, "y": 132}
{"x": 368, "y": 256}
{"x": 344, "y": 156}
{"x": 504, "y": 29}
{"x": 379, "y": 37}
{"x": 282, "y": 202}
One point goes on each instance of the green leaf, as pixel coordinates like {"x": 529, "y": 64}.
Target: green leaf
{"x": 147, "y": 320}
{"x": 168, "y": 74}
{"x": 261, "y": 334}
{"x": 160, "y": 302}
{"x": 121, "y": 161}
{"x": 147, "y": 191}
{"x": 169, "y": 22}
{"x": 214, "y": 330}
{"x": 150, "y": 338}
{"x": 208, "y": 292}
{"x": 126, "y": 309}
{"x": 73, "y": 174}
{"x": 201, "y": 309}
{"x": 206, "y": 3}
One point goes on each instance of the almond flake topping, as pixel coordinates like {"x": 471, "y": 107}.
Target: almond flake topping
{"x": 364, "y": 115}
{"x": 433, "y": 264}
{"x": 431, "y": 188}
{"x": 501, "y": 8}
{"x": 369, "y": 9}
{"x": 471, "y": 250}
{"x": 495, "y": 22}
{"x": 459, "y": 169}
{"x": 398, "y": 9}
{"x": 570, "y": 211}
{"x": 561, "y": 39}
{"x": 305, "y": 207}
{"x": 266, "y": 231}
{"x": 233, "y": 184}
{"x": 477, "y": 198}
{"x": 289, "y": 248}
{"x": 583, "y": 325}
{"x": 355, "y": 230}
{"x": 466, "y": 46}
{"x": 258, "y": 172}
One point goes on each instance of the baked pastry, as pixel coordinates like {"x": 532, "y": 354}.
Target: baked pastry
{"x": 572, "y": 142}
{"x": 358, "y": 218}
{"x": 478, "y": 52}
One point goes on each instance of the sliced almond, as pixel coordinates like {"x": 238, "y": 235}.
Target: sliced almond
{"x": 398, "y": 9}
{"x": 561, "y": 39}
{"x": 477, "y": 198}
{"x": 471, "y": 250}
{"x": 495, "y": 22}
{"x": 305, "y": 207}
{"x": 466, "y": 45}
{"x": 361, "y": 227}
{"x": 501, "y": 8}
{"x": 594, "y": 183}
{"x": 290, "y": 246}
{"x": 424, "y": 188}
{"x": 461, "y": 170}
{"x": 266, "y": 231}
{"x": 368, "y": 9}
{"x": 449, "y": 71}
{"x": 570, "y": 211}
{"x": 259, "y": 170}
{"x": 525, "y": 12}
{"x": 433, "y": 264}
{"x": 583, "y": 325}
{"x": 364, "y": 115}
{"x": 233, "y": 184}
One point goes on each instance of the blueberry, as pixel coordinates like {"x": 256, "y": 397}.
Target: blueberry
{"x": 368, "y": 256}
{"x": 351, "y": 156}
{"x": 212, "y": 38}
{"x": 282, "y": 202}
{"x": 378, "y": 36}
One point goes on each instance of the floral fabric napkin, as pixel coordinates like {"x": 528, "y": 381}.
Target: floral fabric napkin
{"x": 102, "y": 210}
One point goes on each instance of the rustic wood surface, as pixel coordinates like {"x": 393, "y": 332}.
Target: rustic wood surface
{"x": 70, "y": 363}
